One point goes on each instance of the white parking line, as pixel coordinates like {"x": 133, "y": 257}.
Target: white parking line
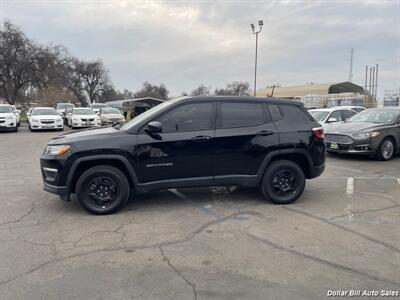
{"x": 350, "y": 186}
{"x": 398, "y": 180}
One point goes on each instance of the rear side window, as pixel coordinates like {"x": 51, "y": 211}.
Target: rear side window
{"x": 276, "y": 112}
{"x": 293, "y": 113}
{"x": 241, "y": 114}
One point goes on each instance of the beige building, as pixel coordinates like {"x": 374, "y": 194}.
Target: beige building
{"x": 321, "y": 94}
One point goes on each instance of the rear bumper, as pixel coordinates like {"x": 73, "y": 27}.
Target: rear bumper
{"x": 316, "y": 171}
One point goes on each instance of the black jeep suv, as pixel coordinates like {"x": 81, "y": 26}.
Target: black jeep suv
{"x": 192, "y": 141}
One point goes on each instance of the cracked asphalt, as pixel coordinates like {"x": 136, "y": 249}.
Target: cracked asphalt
{"x": 208, "y": 243}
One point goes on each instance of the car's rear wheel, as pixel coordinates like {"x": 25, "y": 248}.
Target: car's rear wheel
{"x": 283, "y": 182}
{"x": 102, "y": 190}
{"x": 386, "y": 149}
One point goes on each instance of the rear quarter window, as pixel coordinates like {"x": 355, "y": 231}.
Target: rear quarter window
{"x": 293, "y": 113}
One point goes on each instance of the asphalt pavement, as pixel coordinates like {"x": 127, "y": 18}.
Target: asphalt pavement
{"x": 206, "y": 243}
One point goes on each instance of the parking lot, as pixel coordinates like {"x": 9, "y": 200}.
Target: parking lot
{"x": 208, "y": 243}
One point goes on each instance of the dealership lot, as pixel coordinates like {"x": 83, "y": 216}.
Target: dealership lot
{"x": 209, "y": 243}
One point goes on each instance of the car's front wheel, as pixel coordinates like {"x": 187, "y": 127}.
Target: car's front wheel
{"x": 102, "y": 190}
{"x": 283, "y": 182}
{"x": 386, "y": 149}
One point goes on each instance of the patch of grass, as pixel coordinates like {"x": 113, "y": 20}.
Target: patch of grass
{"x": 22, "y": 117}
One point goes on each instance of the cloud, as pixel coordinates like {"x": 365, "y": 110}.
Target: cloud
{"x": 183, "y": 44}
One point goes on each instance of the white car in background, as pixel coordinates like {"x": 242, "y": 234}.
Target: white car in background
{"x": 45, "y": 118}
{"x": 326, "y": 116}
{"x": 83, "y": 117}
{"x": 17, "y": 113}
{"x": 97, "y": 106}
{"x": 8, "y": 118}
{"x": 357, "y": 109}
{"x": 110, "y": 115}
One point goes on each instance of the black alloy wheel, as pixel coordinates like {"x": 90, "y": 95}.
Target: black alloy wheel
{"x": 283, "y": 182}
{"x": 102, "y": 190}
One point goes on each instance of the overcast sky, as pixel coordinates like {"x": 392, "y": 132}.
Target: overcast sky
{"x": 185, "y": 43}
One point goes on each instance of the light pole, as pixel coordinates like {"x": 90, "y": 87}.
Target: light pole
{"x": 260, "y": 24}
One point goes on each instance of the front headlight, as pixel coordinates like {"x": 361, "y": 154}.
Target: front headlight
{"x": 75, "y": 118}
{"x": 34, "y": 120}
{"x": 364, "y": 135}
{"x": 56, "y": 150}
{"x": 10, "y": 117}
{"x": 59, "y": 120}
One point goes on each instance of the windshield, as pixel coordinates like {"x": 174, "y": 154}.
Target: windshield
{"x": 106, "y": 111}
{"x": 44, "y": 111}
{"x": 5, "y": 109}
{"x": 98, "y": 105}
{"x": 319, "y": 115}
{"x": 153, "y": 110}
{"x": 84, "y": 111}
{"x": 65, "y": 105}
{"x": 381, "y": 116}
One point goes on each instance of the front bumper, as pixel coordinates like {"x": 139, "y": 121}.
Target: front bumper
{"x": 109, "y": 122}
{"x": 357, "y": 146}
{"x": 54, "y": 173}
{"x": 80, "y": 124}
{"x": 41, "y": 126}
{"x": 8, "y": 124}
{"x": 57, "y": 190}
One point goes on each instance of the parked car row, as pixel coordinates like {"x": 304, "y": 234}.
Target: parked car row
{"x": 47, "y": 118}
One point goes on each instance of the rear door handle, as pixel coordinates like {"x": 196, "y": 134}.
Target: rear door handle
{"x": 201, "y": 138}
{"x": 264, "y": 133}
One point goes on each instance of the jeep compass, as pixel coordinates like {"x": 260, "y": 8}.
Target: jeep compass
{"x": 271, "y": 144}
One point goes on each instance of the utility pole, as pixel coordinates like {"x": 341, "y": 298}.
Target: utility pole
{"x": 351, "y": 65}
{"x": 256, "y": 32}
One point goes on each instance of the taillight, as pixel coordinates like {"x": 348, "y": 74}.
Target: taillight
{"x": 318, "y": 132}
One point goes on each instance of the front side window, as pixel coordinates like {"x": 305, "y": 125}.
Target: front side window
{"x": 189, "y": 117}
{"x": 347, "y": 114}
{"x": 241, "y": 114}
{"x": 335, "y": 116}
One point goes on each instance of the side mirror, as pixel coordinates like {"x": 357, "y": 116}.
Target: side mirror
{"x": 153, "y": 127}
{"x": 332, "y": 120}
{"x": 18, "y": 111}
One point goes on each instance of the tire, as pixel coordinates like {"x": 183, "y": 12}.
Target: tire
{"x": 100, "y": 181}
{"x": 275, "y": 184}
{"x": 16, "y": 129}
{"x": 386, "y": 149}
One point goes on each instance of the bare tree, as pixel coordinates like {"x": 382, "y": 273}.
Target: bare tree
{"x": 154, "y": 91}
{"x": 88, "y": 81}
{"x": 235, "y": 88}
{"x": 201, "y": 90}
{"x": 19, "y": 66}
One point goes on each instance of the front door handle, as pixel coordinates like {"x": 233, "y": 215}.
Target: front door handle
{"x": 264, "y": 133}
{"x": 201, "y": 138}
